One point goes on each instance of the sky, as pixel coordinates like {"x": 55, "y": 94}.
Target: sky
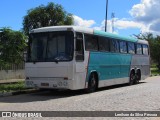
{"x": 131, "y": 16}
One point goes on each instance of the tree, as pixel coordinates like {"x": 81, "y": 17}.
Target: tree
{"x": 156, "y": 51}
{"x": 12, "y": 45}
{"x": 42, "y": 16}
{"x": 154, "y": 42}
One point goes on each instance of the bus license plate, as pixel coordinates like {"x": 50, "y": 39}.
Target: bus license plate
{"x": 45, "y": 84}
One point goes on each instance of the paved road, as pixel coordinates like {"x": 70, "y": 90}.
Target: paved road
{"x": 144, "y": 96}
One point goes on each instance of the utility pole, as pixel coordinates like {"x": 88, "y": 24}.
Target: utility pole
{"x": 106, "y": 16}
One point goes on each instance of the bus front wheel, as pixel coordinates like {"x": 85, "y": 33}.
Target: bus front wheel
{"x": 92, "y": 84}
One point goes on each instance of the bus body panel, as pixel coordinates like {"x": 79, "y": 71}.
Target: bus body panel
{"x": 49, "y": 69}
{"x": 112, "y": 68}
{"x": 110, "y": 65}
{"x": 116, "y": 81}
{"x": 49, "y": 73}
{"x": 141, "y": 63}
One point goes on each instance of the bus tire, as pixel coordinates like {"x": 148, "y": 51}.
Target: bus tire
{"x": 138, "y": 77}
{"x": 92, "y": 83}
{"x": 132, "y": 78}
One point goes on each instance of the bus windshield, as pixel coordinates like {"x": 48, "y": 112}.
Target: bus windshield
{"x": 51, "y": 46}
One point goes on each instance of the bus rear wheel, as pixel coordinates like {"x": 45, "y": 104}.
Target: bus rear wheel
{"x": 132, "y": 78}
{"x": 92, "y": 84}
{"x": 138, "y": 77}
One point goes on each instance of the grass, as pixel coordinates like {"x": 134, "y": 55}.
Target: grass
{"x": 154, "y": 70}
{"x": 12, "y": 87}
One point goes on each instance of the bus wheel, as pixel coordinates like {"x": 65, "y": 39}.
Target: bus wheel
{"x": 132, "y": 78}
{"x": 138, "y": 77}
{"x": 92, "y": 84}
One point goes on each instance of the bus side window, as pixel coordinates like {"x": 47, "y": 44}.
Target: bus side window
{"x": 103, "y": 44}
{"x": 79, "y": 47}
{"x": 131, "y": 48}
{"x": 139, "y": 49}
{"x": 114, "y": 45}
{"x": 123, "y": 47}
{"x": 145, "y": 50}
{"x": 91, "y": 43}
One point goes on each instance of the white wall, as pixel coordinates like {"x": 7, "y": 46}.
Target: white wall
{"x": 12, "y": 74}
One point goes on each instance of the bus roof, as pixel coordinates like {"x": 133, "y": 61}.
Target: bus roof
{"x": 63, "y": 28}
{"x": 111, "y": 35}
{"x": 85, "y": 30}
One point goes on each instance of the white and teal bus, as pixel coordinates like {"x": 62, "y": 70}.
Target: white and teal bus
{"x": 70, "y": 57}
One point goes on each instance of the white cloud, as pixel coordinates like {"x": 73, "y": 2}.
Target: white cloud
{"x": 102, "y": 26}
{"x": 147, "y": 13}
{"x": 130, "y": 24}
{"x": 109, "y": 27}
{"x": 126, "y": 24}
{"x": 119, "y": 24}
{"x": 83, "y": 23}
{"x": 145, "y": 17}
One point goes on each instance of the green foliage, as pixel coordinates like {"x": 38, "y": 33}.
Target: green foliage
{"x": 42, "y": 16}
{"x": 12, "y": 87}
{"x": 155, "y": 71}
{"x": 156, "y": 51}
{"x": 154, "y": 42}
{"x": 12, "y": 45}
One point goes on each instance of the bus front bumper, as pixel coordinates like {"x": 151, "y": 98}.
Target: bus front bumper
{"x": 50, "y": 84}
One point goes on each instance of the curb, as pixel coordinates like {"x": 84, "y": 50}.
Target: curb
{"x": 18, "y": 92}
{"x": 11, "y": 81}
{"x": 5, "y": 94}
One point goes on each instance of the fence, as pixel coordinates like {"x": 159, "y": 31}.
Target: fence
{"x": 14, "y": 67}
{"x": 12, "y": 72}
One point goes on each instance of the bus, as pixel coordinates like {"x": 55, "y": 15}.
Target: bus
{"x": 71, "y": 57}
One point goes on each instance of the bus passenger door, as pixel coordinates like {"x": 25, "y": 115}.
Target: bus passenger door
{"x": 80, "y": 63}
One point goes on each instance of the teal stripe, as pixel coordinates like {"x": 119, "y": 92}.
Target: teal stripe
{"x": 109, "y": 65}
{"x": 106, "y": 34}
